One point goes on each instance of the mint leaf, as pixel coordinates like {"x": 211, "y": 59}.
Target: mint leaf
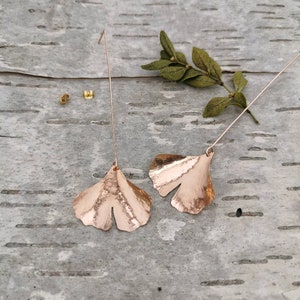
{"x": 157, "y": 65}
{"x": 164, "y": 55}
{"x": 181, "y": 58}
{"x": 200, "y": 81}
{"x": 215, "y": 106}
{"x": 173, "y": 72}
{"x": 204, "y": 62}
{"x": 190, "y": 73}
{"x": 199, "y": 58}
{"x": 167, "y": 44}
{"x": 239, "y": 99}
{"x": 239, "y": 81}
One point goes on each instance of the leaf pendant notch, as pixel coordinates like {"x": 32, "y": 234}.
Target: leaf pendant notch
{"x": 114, "y": 193}
{"x": 190, "y": 173}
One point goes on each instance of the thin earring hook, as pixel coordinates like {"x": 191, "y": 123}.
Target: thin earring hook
{"x": 103, "y": 35}
{"x": 210, "y": 148}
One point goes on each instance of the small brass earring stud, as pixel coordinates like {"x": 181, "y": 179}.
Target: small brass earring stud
{"x": 64, "y": 99}
{"x": 88, "y": 94}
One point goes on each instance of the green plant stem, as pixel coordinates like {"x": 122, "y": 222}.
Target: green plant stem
{"x": 249, "y": 112}
{"x": 219, "y": 83}
{"x": 253, "y": 117}
{"x": 226, "y": 88}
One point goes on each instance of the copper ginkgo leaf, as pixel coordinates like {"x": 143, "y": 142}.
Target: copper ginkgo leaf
{"x": 130, "y": 204}
{"x": 167, "y": 171}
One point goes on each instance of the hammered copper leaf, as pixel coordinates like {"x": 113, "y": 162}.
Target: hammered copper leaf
{"x": 167, "y": 44}
{"x": 173, "y": 72}
{"x": 200, "y": 81}
{"x": 239, "y": 81}
{"x": 204, "y": 62}
{"x": 190, "y": 173}
{"x": 157, "y": 65}
{"x": 113, "y": 194}
{"x": 215, "y": 106}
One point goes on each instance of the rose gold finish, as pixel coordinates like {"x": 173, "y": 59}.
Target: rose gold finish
{"x": 114, "y": 193}
{"x": 130, "y": 204}
{"x": 163, "y": 159}
{"x": 168, "y": 171}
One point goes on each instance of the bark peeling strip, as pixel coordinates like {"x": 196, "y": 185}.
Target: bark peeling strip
{"x": 19, "y": 111}
{"x": 247, "y": 214}
{"x": 270, "y": 5}
{"x": 262, "y": 12}
{"x": 284, "y": 257}
{"x": 10, "y": 136}
{"x": 67, "y": 273}
{"x": 252, "y": 158}
{"x": 283, "y": 109}
{"x": 222, "y": 282}
{"x": 88, "y": 2}
{"x": 290, "y": 164}
{"x": 136, "y": 15}
{"x": 45, "y": 43}
{"x": 75, "y": 122}
{"x": 26, "y": 192}
{"x": 134, "y": 36}
{"x": 39, "y": 245}
{"x": 289, "y": 227}
{"x": 262, "y": 149}
{"x": 160, "y": 4}
{"x": 260, "y": 134}
{"x": 34, "y": 226}
{"x": 293, "y": 188}
{"x": 13, "y": 205}
{"x": 250, "y": 261}
{"x": 237, "y": 181}
{"x": 242, "y": 197}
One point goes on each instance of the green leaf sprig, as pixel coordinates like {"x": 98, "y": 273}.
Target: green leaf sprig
{"x": 173, "y": 65}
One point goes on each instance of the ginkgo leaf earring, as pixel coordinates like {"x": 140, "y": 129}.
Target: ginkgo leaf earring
{"x": 114, "y": 193}
{"x": 168, "y": 171}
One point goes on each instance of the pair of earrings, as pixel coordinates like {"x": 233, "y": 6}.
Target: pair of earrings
{"x": 131, "y": 205}
{"x": 87, "y": 95}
